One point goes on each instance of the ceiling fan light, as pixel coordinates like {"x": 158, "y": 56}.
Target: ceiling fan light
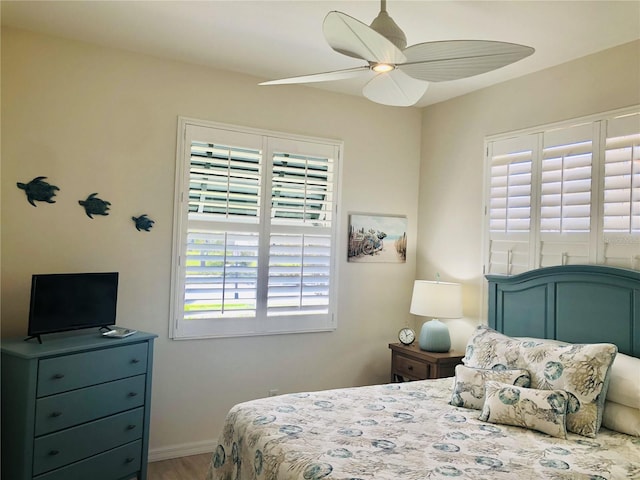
{"x": 382, "y": 67}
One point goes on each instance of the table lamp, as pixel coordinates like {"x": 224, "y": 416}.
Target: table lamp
{"x": 436, "y": 299}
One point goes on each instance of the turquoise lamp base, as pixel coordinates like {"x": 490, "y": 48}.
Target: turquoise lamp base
{"x": 434, "y": 337}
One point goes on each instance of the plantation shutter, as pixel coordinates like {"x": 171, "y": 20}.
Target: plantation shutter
{"x": 510, "y": 204}
{"x": 255, "y": 228}
{"x": 222, "y": 245}
{"x": 224, "y": 181}
{"x": 302, "y": 202}
{"x": 621, "y": 210}
{"x": 566, "y": 195}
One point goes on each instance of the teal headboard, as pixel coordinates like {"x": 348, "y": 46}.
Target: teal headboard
{"x": 573, "y": 303}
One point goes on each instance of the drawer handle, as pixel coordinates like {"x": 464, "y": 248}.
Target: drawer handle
{"x": 58, "y": 376}
{"x": 135, "y": 360}
{"x": 410, "y": 367}
{"x": 129, "y": 459}
{"x": 54, "y": 452}
{"x": 55, "y": 414}
{"x": 130, "y": 427}
{"x": 133, "y": 394}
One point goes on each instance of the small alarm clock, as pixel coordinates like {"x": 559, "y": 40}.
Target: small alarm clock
{"x": 406, "y": 336}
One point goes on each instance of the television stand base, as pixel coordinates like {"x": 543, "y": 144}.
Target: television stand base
{"x": 32, "y": 337}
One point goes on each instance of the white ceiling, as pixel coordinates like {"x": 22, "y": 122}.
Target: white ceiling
{"x": 274, "y": 39}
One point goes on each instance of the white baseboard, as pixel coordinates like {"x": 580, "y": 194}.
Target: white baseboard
{"x": 183, "y": 450}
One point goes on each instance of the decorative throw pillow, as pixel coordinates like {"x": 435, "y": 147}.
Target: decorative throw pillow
{"x": 490, "y": 349}
{"x": 541, "y": 340}
{"x": 542, "y": 410}
{"x": 582, "y": 370}
{"x": 621, "y": 418}
{"x": 468, "y": 389}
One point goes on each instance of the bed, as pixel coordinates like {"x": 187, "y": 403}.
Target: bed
{"x": 550, "y": 389}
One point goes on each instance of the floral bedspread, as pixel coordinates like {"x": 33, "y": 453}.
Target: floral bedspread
{"x": 403, "y": 431}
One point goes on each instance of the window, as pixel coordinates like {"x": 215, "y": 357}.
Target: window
{"x": 255, "y": 232}
{"x": 564, "y": 194}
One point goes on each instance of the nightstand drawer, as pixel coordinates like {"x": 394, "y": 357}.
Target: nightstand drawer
{"x": 120, "y": 462}
{"x": 409, "y": 362}
{"x": 59, "y": 449}
{"x": 73, "y": 408}
{"x": 411, "y": 368}
{"x": 69, "y": 372}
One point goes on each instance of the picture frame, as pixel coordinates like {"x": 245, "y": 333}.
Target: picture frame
{"x": 377, "y": 238}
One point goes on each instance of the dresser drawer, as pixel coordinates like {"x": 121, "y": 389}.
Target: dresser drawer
{"x": 62, "y": 448}
{"x": 409, "y": 367}
{"x": 79, "y": 406}
{"x": 79, "y": 370}
{"x": 117, "y": 463}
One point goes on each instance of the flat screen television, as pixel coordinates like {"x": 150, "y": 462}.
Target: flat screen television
{"x": 71, "y": 301}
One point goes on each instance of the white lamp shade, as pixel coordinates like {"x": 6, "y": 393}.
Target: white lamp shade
{"x": 436, "y": 299}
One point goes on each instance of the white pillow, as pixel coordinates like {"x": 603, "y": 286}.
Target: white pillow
{"x": 621, "y": 418}
{"x": 624, "y": 381}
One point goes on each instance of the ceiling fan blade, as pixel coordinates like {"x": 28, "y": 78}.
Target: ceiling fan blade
{"x": 451, "y": 60}
{"x": 320, "y": 77}
{"x": 395, "y": 88}
{"x": 353, "y": 38}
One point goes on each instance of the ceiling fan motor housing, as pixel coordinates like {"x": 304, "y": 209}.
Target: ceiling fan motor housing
{"x": 385, "y": 26}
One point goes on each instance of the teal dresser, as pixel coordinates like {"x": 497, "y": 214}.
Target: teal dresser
{"x": 76, "y": 407}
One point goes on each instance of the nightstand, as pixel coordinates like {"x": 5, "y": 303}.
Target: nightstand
{"x": 408, "y": 363}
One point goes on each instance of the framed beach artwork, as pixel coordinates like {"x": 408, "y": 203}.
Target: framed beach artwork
{"x": 377, "y": 238}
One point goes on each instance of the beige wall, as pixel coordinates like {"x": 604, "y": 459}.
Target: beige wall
{"x": 451, "y": 190}
{"x": 93, "y": 119}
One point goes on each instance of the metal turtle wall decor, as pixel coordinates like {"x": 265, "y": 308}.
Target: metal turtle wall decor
{"x": 143, "y": 222}
{"x": 94, "y": 205}
{"x": 38, "y": 190}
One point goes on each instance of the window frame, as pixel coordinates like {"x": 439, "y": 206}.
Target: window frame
{"x": 262, "y": 323}
{"x": 529, "y": 251}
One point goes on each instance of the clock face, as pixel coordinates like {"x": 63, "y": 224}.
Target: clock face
{"x": 406, "y": 336}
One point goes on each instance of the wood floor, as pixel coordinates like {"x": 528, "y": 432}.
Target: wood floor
{"x": 184, "y": 468}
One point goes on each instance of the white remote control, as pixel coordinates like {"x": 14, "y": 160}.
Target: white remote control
{"x": 119, "y": 332}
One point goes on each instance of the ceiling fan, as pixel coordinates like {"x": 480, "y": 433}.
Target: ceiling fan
{"x": 402, "y": 74}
